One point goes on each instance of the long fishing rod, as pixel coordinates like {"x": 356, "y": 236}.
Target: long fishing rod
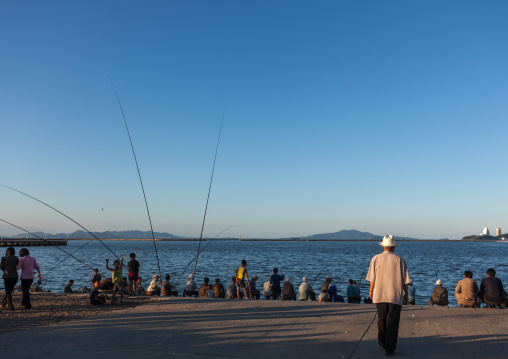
{"x": 45, "y": 240}
{"x": 210, "y": 241}
{"x": 76, "y": 251}
{"x": 139, "y": 174}
{"x": 63, "y": 214}
{"x": 209, "y": 189}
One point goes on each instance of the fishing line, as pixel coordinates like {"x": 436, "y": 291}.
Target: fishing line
{"x": 210, "y": 241}
{"x": 76, "y": 251}
{"x": 63, "y": 214}
{"x": 209, "y": 189}
{"x": 139, "y": 174}
{"x": 57, "y": 247}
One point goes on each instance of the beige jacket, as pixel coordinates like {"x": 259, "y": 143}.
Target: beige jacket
{"x": 466, "y": 288}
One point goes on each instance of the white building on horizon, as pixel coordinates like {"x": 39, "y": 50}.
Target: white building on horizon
{"x": 498, "y": 232}
{"x": 485, "y": 232}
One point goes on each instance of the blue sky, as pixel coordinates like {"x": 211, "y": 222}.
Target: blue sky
{"x": 386, "y": 117}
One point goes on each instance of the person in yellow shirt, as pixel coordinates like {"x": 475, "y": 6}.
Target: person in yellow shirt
{"x": 241, "y": 275}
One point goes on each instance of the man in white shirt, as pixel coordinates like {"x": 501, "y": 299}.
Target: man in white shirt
{"x": 388, "y": 277}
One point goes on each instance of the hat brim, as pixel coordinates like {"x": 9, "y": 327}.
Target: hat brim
{"x": 383, "y": 245}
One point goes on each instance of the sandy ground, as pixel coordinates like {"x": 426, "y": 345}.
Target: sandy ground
{"x": 50, "y": 308}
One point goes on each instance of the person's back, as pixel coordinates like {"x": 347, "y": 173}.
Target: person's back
{"x": 218, "y": 290}
{"x": 267, "y": 290}
{"x": 332, "y": 293}
{"x": 323, "y": 297}
{"x": 166, "y": 288}
{"x": 191, "y": 285}
{"x": 439, "y": 296}
{"x": 68, "y": 288}
{"x": 203, "y": 290}
{"x": 288, "y": 291}
{"x": 231, "y": 289}
{"x": 466, "y": 292}
{"x": 493, "y": 289}
{"x": 350, "y": 291}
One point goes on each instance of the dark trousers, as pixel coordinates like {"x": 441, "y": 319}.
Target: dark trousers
{"x": 276, "y": 292}
{"x": 388, "y": 325}
{"x": 190, "y": 293}
{"x": 9, "y": 284}
{"x": 25, "y": 287}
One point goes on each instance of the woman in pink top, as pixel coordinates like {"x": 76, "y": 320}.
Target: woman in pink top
{"x": 27, "y": 265}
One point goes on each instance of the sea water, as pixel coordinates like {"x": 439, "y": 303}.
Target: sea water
{"x": 426, "y": 261}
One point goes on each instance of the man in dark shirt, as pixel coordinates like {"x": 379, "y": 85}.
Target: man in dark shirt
{"x": 491, "y": 290}
{"x": 275, "y": 283}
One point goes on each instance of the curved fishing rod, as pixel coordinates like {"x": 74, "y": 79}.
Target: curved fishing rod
{"x": 45, "y": 240}
{"x": 63, "y": 214}
{"x": 76, "y": 251}
{"x": 139, "y": 174}
{"x": 290, "y": 269}
{"x": 209, "y": 189}
{"x": 211, "y": 240}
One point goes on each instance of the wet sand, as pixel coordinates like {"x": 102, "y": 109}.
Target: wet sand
{"x": 51, "y": 308}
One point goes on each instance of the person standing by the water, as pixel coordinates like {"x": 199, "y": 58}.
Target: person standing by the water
{"x": 411, "y": 293}
{"x": 27, "y": 265}
{"x": 350, "y": 291}
{"x": 133, "y": 267}
{"x": 10, "y": 276}
{"x": 275, "y": 284}
{"x": 241, "y": 274}
{"x": 439, "y": 295}
{"x": 388, "y": 277}
{"x": 117, "y": 278}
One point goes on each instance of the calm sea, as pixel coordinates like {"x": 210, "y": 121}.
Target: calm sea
{"x": 342, "y": 260}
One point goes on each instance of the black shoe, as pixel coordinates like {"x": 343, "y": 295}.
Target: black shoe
{"x": 389, "y": 354}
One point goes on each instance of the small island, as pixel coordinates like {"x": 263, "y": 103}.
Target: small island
{"x": 486, "y": 237}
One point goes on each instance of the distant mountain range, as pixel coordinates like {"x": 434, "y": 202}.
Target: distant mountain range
{"x": 344, "y": 234}
{"x": 106, "y": 235}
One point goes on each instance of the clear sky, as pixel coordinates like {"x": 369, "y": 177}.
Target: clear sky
{"x": 381, "y": 116}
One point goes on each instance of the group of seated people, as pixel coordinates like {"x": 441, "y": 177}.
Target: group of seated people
{"x": 467, "y": 293}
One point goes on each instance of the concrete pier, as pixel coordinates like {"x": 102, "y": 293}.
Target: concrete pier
{"x": 204, "y": 328}
{"x": 22, "y": 242}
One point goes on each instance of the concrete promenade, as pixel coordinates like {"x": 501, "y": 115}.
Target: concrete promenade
{"x": 205, "y": 328}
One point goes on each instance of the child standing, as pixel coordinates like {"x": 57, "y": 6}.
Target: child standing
{"x": 133, "y": 267}
{"x": 117, "y": 278}
{"x": 241, "y": 275}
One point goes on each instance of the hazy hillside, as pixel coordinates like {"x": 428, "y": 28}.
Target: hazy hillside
{"x": 107, "y": 235}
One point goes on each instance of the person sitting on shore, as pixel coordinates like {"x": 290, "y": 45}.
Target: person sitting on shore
{"x": 191, "y": 288}
{"x": 251, "y": 288}
{"x": 333, "y": 296}
{"x": 267, "y": 290}
{"x": 275, "y": 284}
{"x": 153, "y": 288}
{"x": 466, "y": 291}
{"x": 133, "y": 267}
{"x": 96, "y": 298}
{"x": 140, "y": 290}
{"x": 96, "y": 278}
{"x": 323, "y": 297}
{"x": 203, "y": 289}
{"x": 350, "y": 291}
{"x": 326, "y": 283}
{"x": 167, "y": 289}
{"x": 411, "y": 293}
{"x": 218, "y": 289}
{"x": 305, "y": 292}
{"x": 439, "y": 295}
{"x": 358, "y": 296}
{"x": 491, "y": 290}
{"x": 116, "y": 278}
{"x": 241, "y": 274}
{"x": 231, "y": 290}
{"x": 288, "y": 291}
{"x": 37, "y": 287}
{"x": 68, "y": 287}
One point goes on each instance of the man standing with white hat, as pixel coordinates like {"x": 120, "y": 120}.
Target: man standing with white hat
{"x": 388, "y": 277}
